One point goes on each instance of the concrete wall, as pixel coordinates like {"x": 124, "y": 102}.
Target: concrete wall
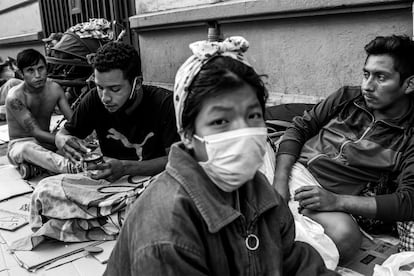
{"x": 147, "y": 6}
{"x": 308, "y": 49}
{"x": 22, "y": 26}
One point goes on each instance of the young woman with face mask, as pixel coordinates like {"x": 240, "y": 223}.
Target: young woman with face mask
{"x": 211, "y": 212}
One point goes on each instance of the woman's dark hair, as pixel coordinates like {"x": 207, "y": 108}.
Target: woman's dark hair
{"x": 400, "y": 48}
{"x": 118, "y": 55}
{"x": 28, "y": 57}
{"x": 220, "y": 73}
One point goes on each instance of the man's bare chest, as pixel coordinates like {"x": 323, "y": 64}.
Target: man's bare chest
{"x": 41, "y": 105}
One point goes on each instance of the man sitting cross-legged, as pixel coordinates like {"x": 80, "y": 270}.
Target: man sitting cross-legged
{"x": 29, "y": 107}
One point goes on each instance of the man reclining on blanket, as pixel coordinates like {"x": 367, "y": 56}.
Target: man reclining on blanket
{"x": 135, "y": 126}
{"x": 357, "y": 137}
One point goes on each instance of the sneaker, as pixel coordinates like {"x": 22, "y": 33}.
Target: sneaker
{"x": 28, "y": 171}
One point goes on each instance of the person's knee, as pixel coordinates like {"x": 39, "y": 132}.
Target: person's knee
{"x": 25, "y": 149}
{"x": 347, "y": 238}
{"x": 343, "y": 231}
{"x": 20, "y": 152}
{"x": 28, "y": 149}
{"x": 15, "y": 154}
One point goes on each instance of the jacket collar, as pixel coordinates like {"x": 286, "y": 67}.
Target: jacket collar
{"x": 404, "y": 122}
{"x": 209, "y": 199}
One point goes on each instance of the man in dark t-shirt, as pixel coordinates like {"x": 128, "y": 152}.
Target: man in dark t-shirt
{"x": 135, "y": 126}
{"x": 134, "y": 123}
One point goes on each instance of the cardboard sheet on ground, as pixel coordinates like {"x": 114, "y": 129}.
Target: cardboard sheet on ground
{"x": 102, "y": 257}
{"x": 49, "y": 252}
{"x": 11, "y": 183}
{"x": 11, "y": 220}
{"x": 3, "y": 264}
{"x": 19, "y": 204}
{"x": 4, "y": 134}
{"x": 86, "y": 266}
{"x": 12, "y": 236}
{"x": 19, "y": 207}
{"x": 372, "y": 252}
{"x": 89, "y": 267}
{"x": 107, "y": 247}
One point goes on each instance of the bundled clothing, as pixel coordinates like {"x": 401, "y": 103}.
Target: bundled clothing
{"x": 74, "y": 208}
{"x": 347, "y": 150}
{"x": 183, "y": 225}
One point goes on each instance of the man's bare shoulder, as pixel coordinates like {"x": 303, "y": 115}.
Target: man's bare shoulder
{"x": 53, "y": 89}
{"x": 16, "y": 92}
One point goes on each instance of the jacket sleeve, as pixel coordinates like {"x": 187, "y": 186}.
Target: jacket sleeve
{"x": 303, "y": 259}
{"x": 119, "y": 262}
{"x": 399, "y": 206}
{"x": 299, "y": 258}
{"x": 306, "y": 126}
{"x": 160, "y": 258}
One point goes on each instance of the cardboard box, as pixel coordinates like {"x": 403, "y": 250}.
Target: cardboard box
{"x": 372, "y": 252}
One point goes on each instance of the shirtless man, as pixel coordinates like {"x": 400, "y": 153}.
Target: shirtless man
{"x": 29, "y": 107}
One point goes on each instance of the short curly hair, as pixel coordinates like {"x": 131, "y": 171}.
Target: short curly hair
{"x": 118, "y": 55}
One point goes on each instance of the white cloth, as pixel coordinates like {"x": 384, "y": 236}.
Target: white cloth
{"x": 308, "y": 230}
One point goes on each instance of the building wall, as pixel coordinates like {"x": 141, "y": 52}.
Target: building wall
{"x": 308, "y": 49}
{"x": 22, "y": 26}
{"x": 147, "y": 6}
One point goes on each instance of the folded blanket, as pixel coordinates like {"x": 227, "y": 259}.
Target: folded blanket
{"x": 75, "y": 208}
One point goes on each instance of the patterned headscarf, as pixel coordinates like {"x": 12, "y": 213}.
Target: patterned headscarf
{"x": 203, "y": 52}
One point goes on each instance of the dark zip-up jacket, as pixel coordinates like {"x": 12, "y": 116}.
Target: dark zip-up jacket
{"x": 182, "y": 225}
{"x": 346, "y": 149}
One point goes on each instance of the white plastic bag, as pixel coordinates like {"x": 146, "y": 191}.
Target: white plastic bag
{"x": 308, "y": 230}
{"x": 269, "y": 161}
{"x": 392, "y": 265}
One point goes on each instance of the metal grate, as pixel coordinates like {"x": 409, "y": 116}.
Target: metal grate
{"x": 59, "y": 15}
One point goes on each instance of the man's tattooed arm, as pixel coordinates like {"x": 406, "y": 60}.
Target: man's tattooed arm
{"x": 29, "y": 124}
{"x": 17, "y": 105}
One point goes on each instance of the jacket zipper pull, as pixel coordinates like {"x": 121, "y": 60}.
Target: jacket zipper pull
{"x": 252, "y": 242}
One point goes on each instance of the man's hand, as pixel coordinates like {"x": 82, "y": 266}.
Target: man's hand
{"x": 72, "y": 147}
{"x": 316, "y": 198}
{"x": 111, "y": 170}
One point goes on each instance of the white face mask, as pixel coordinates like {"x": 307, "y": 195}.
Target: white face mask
{"x": 234, "y": 156}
